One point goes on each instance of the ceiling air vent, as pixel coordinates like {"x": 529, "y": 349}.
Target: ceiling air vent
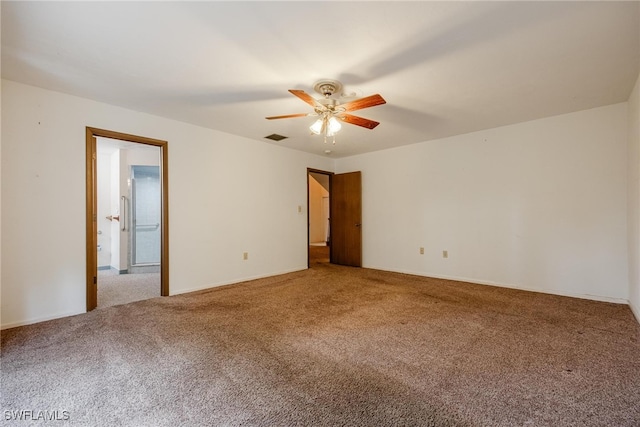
{"x": 276, "y": 137}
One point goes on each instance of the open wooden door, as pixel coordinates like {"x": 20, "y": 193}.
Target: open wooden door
{"x": 346, "y": 219}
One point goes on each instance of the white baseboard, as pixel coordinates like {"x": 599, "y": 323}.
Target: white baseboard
{"x": 182, "y": 291}
{"x": 234, "y": 281}
{"x": 39, "y": 319}
{"x": 635, "y": 310}
{"x": 511, "y": 286}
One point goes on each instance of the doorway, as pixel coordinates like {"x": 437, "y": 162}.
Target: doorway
{"x": 127, "y": 222}
{"x": 319, "y": 221}
{"x": 340, "y": 242}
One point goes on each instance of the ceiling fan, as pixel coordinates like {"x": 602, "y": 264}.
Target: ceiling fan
{"x": 330, "y": 111}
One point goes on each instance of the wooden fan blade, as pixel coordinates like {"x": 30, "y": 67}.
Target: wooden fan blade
{"x": 366, "y": 102}
{"x": 359, "y": 121}
{"x": 288, "y": 116}
{"x": 304, "y": 96}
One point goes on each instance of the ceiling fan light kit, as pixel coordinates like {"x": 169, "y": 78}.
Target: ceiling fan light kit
{"x": 327, "y": 125}
{"x": 330, "y": 111}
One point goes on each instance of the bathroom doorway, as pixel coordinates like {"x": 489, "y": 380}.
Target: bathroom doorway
{"x": 127, "y": 224}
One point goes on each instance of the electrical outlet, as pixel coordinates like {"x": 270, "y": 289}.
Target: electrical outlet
{"x": 445, "y": 254}
{"x": 421, "y": 250}
{"x": 245, "y": 256}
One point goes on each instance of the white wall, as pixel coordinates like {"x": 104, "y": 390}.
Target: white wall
{"x": 538, "y": 205}
{"x": 1, "y": 174}
{"x": 115, "y": 229}
{"x": 103, "y": 164}
{"x": 634, "y": 199}
{"x": 222, "y": 190}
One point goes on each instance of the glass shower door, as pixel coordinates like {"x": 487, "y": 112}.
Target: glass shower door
{"x": 145, "y": 215}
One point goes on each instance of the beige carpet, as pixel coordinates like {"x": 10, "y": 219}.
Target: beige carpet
{"x": 116, "y": 289}
{"x": 333, "y": 346}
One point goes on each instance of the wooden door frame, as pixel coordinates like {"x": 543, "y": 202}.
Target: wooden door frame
{"x": 330, "y": 175}
{"x": 91, "y": 209}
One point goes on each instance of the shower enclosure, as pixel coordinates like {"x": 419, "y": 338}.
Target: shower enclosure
{"x": 145, "y": 196}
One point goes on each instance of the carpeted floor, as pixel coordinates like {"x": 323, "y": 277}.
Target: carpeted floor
{"x": 318, "y": 255}
{"x": 116, "y": 289}
{"x": 333, "y": 346}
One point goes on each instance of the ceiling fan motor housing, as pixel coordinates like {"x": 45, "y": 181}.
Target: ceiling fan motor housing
{"x": 327, "y": 88}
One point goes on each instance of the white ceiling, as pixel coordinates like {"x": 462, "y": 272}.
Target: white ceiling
{"x": 444, "y": 68}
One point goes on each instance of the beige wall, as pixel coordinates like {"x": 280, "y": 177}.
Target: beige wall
{"x": 540, "y": 205}
{"x": 634, "y": 199}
